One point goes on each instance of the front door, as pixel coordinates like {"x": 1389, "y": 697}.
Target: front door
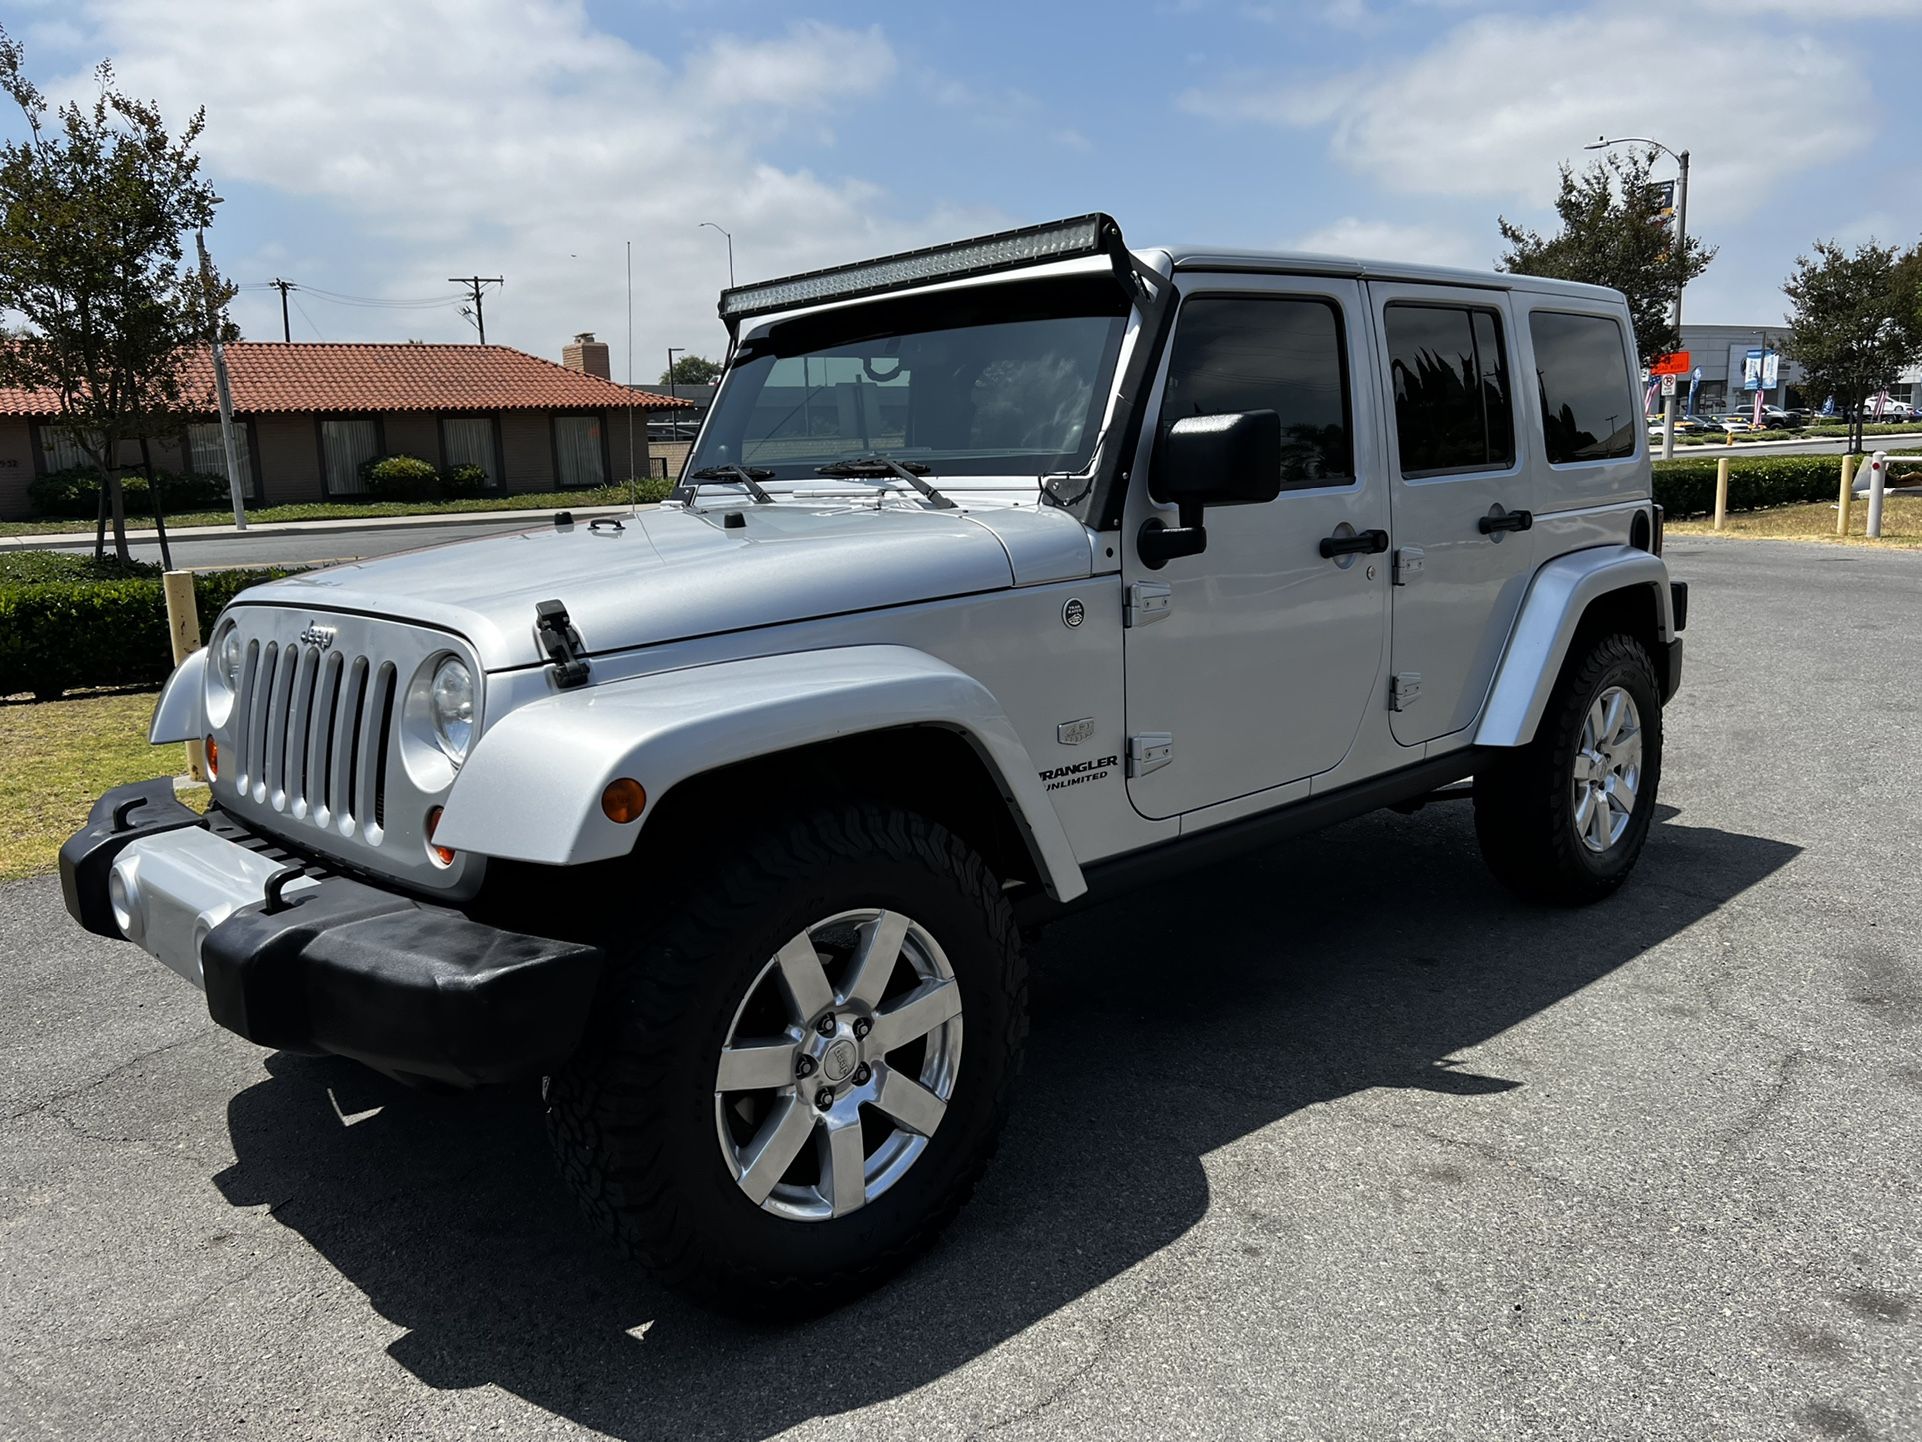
{"x": 1260, "y": 657}
{"x": 1459, "y": 468}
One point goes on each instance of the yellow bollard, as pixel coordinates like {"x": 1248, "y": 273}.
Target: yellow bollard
{"x": 1721, "y": 493}
{"x": 183, "y": 629}
{"x": 1848, "y": 496}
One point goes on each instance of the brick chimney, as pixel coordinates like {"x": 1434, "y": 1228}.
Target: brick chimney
{"x": 587, "y": 355}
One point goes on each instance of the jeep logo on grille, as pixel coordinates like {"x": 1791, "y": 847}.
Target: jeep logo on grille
{"x": 321, "y": 636}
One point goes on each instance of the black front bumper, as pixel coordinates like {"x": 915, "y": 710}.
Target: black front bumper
{"x": 410, "y": 988}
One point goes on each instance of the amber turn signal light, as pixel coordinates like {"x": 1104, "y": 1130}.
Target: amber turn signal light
{"x": 443, "y": 854}
{"x": 212, "y": 749}
{"x": 623, "y": 800}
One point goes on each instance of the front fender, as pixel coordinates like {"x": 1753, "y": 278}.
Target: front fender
{"x": 531, "y": 789}
{"x": 177, "y": 714}
{"x": 1561, "y": 592}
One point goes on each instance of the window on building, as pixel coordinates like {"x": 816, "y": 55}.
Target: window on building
{"x": 579, "y": 449}
{"x": 1588, "y": 397}
{"x": 345, "y": 446}
{"x": 469, "y": 441}
{"x": 207, "y": 452}
{"x": 62, "y": 450}
{"x": 1280, "y": 354}
{"x": 1452, "y": 409}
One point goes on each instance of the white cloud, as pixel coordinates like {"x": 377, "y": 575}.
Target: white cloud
{"x": 1393, "y": 240}
{"x": 511, "y": 137}
{"x": 1491, "y": 108}
{"x": 1831, "y": 10}
{"x": 806, "y": 69}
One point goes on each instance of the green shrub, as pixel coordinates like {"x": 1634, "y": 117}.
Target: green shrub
{"x": 58, "y": 636}
{"x": 469, "y": 480}
{"x": 1686, "y": 486}
{"x": 75, "y": 492}
{"x": 26, "y": 567}
{"x": 401, "y": 478}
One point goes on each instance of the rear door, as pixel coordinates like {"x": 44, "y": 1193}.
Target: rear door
{"x": 1459, "y": 491}
{"x": 1256, "y": 660}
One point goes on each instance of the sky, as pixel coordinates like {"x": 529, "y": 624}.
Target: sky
{"x": 373, "y": 148}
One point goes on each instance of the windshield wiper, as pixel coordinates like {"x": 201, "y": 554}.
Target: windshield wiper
{"x": 749, "y": 476}
{"x": 877, "y": 465}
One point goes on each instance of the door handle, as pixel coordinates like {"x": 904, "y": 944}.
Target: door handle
{"x": 1362, "y": 543}
{"x": 1506, "y": 521}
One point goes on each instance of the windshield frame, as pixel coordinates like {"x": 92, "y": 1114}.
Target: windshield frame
{"x": 1086, "y": 293}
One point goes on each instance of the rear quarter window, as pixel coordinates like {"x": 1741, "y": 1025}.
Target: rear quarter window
{"x": 1589, "y": 406}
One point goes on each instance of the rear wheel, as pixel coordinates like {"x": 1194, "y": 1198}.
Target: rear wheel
{"x": 778, "y": 1101}
{"x": 1564, "y": 818}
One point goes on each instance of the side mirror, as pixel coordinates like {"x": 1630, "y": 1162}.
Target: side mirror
{"x": 1201, "y": 461}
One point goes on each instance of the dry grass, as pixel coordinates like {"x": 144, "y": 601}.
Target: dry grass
{"x": 1815, "y": 521}
{"x": 56, "y": 757}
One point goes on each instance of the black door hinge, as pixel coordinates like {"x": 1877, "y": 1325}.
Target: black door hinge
{"x": 562, "y": 643}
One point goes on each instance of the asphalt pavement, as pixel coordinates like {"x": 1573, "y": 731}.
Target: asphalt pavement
{"x": 1335, "y": 1141}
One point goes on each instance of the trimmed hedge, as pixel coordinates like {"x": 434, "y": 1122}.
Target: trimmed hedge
{"x": 402, "y": 478}
{"x": 58, "y": 636}
{"x": 1685, "y": 486}
{"x": 75, "y": 493}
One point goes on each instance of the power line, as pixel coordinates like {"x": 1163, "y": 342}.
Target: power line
{"x": 476, "y": 286}
{"x": 310, "y": 321}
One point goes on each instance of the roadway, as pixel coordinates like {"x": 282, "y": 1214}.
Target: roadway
{"x": 1336, "y": 1141}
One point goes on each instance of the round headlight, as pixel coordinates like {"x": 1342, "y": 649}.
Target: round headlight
{"x": 228, "y": 656}
{"x": 450, "y": 700}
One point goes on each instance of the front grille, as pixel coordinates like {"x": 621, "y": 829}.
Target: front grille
{"x": 313, "y": 729}
{"x": 326, "y": 747}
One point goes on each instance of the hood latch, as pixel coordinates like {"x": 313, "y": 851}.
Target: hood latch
{"x": 562, "y": 643}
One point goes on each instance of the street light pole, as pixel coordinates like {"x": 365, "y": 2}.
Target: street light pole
{"x": 1681, "y": 254}
{"x": 728, "y": 236}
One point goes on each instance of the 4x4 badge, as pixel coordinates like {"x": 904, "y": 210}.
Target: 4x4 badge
{"x": 1073, "y": 733}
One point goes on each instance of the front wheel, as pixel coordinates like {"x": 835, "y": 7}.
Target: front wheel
{"x": 1563, "y": 818}
{"x": 778, "y": 1101}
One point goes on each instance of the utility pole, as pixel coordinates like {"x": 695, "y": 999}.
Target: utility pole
{"x": 476, "y": 285}
{"x": 283, "y": 286}
{"x": 671, "y": 351}
{"x": 222, "y": 391}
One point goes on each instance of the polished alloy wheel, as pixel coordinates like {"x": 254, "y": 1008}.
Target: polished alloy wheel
{"x": 1608, "y": 769}
{"x": 838, "y": 1065}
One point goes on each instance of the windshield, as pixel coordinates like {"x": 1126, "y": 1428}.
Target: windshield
{"x": 998, "y": 380}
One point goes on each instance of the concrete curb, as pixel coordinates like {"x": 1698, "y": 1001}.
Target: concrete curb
{"x": 349, "y": 524}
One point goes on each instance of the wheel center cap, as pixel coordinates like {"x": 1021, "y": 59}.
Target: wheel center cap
{"x": 839, "y": 1061}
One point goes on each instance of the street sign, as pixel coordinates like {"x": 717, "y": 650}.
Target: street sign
{"x": 1668, "y": 385}
{"x": 1675, "y": 364}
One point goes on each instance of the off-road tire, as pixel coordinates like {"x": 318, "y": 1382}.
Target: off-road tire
{"x": 631, "y": 1116}
{"x": 1524, "y": 803}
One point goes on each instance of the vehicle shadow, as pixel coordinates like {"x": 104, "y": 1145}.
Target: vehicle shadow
{"x": 1166, "y": 1025}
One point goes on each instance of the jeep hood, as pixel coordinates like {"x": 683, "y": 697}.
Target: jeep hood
{"x": 672, "y": 573}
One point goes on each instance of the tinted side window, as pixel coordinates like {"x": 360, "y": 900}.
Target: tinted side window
{"x": 1589, "y": 410}
{"x": 1241, "y": 353}
{"x": 1450, "y": 369}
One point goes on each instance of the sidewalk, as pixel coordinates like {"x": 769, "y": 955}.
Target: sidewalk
{"x": 536, "y": 517}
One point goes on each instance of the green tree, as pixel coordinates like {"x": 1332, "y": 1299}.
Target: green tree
{"x": 1613, "y": 234}
{"x": 692, "y": 370}
{"x": 95, "y": 203}
{"x": 1855, "y": 321}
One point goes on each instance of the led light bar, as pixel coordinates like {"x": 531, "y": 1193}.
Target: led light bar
{"x": 1095, "y": 234}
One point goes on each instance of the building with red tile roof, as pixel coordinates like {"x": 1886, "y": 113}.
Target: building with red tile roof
{"x": 310, "y": 414}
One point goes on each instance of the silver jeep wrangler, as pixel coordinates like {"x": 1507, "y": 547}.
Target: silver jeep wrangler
{"x": 1004, "y": 575}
